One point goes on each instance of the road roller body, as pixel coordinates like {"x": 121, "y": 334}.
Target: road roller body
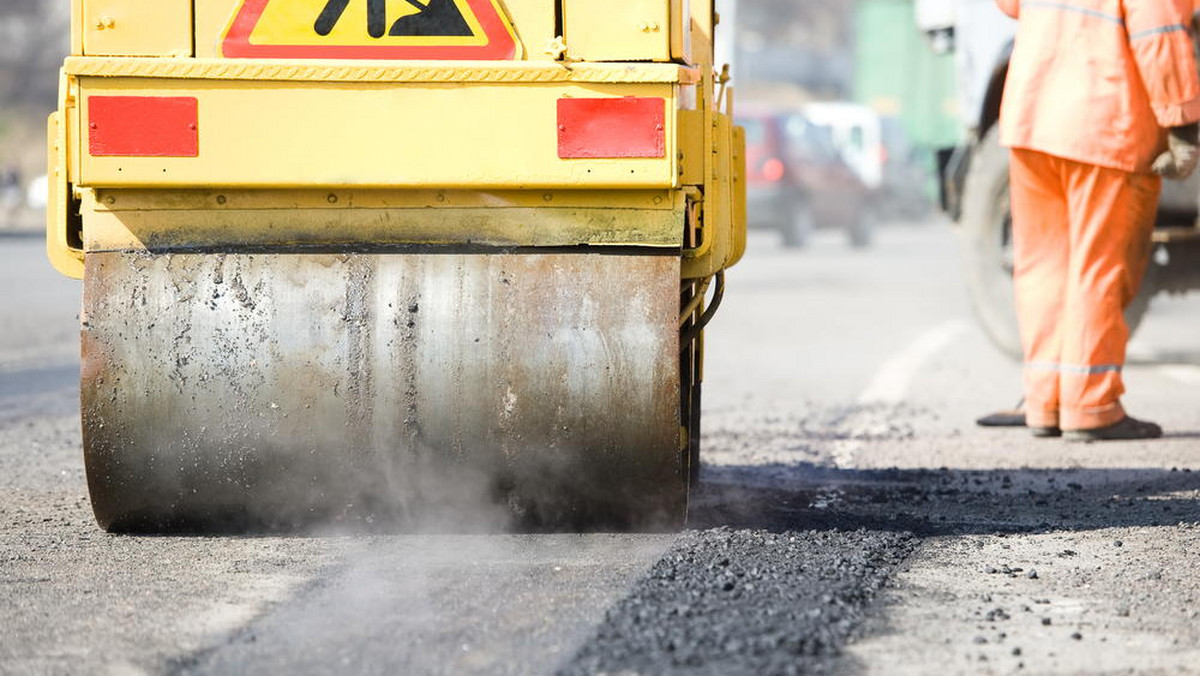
{"x": 393, "y": 263}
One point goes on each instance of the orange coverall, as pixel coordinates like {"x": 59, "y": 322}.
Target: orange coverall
{"x": 1091, "y": 86}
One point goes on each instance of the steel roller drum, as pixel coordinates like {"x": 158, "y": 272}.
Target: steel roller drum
{"x": 415, "y": 390}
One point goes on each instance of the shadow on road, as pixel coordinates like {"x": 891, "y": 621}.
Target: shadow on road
{"x": 926, "y": 503}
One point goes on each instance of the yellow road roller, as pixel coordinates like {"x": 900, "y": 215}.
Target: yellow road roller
{"x": 397, "y": 262}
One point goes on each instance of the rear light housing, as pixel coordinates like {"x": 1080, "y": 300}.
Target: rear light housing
{"x": 773, "y": 170}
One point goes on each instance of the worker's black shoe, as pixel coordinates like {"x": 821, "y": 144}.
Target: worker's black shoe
{"x": 1013, "y": 417}
{"x": 1046, "y": 432}
{"x": 1009, "y": 418}
{"x": 1123, "y": 430}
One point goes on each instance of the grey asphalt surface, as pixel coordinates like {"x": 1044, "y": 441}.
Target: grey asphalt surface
{"x": 868, "y": 525}
{"x": 441, "y": 604}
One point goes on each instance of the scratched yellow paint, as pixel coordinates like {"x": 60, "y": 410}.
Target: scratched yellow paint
{"x": 291, "y": 22}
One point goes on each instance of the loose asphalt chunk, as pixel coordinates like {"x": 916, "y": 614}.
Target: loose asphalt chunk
{"x": 726, "y": 601}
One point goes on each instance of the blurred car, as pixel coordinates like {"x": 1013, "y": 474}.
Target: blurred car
{"x": 907, "y": 189}
{"x": 878, "y": 149}
{"x": 857, "y": 133}
{"x": 797, "y": 181}
{"x": 35, "y": 194}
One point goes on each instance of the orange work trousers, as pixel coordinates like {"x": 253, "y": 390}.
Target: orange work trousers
{"x": 1081, "y": 240}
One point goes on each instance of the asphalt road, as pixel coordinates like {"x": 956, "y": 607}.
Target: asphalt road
{"x": 851, "y": 518}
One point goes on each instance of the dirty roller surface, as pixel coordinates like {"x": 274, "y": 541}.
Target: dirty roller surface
{"x": 725, "y": 601}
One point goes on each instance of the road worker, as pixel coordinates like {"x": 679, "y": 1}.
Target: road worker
{"x": 1101, "y": 100}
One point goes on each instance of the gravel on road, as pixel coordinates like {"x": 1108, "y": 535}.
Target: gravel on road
{"x": 726, "y": 601}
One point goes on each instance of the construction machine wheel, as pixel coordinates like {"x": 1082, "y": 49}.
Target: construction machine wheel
{"x": 444, "y": 391}
{"x": 987, "y": 249}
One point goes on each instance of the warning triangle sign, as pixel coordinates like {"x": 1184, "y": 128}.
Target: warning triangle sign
{"x": 370, "y": 29}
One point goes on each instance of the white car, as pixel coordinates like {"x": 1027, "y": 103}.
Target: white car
{"x": 858, "y": 134}
{"x": 35, "y": 193}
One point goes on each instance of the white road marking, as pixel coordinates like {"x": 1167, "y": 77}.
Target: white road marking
{"x": 893, "y": 379}
{"x": 890, "y": 386}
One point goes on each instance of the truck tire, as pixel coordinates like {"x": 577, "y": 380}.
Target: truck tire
{"x": 987, "y": 249}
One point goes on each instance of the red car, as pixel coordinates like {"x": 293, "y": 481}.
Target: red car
{"x": 797, "y": 181}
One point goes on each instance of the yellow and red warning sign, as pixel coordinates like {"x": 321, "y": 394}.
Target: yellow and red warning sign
{"x": 370, "y": 29}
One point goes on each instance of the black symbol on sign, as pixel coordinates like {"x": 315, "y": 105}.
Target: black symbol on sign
{"x": 434, "y": 17}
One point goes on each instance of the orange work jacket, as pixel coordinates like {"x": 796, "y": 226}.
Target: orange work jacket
{"x": 1097, "y": 81}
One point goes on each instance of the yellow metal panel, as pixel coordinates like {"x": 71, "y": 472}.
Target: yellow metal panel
{"x": 681, "y": 33}
{"x": 722, "y": 196}
{"x": 347, "y": 199}
{"x": 285, "y": 134}
{"x": 162, "y": 220}
{"x": 723, "y": 231}
{"x": 137, "y": 27}
{"x": 533, "y": 21}
{"x": 738, "y": 217}
{"x": 64, "y": 258}
{"x": 68, "y": 107}
{"x": 692, "y": 151}
{"x": 462, "y": 72}
{"x": 76, "y": 27}
{"x": 631, "y": 30}
{"x": 702, "y": 24}
{"x": 212, "y": 18}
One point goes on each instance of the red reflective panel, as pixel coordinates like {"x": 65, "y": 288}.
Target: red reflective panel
{"x": 143, "y": 126}
{"x": 612, "y": 127}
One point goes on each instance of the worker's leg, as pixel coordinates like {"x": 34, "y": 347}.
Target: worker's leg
{"x": 1112, "y": 219}
{"x": 1040, "y": 247}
